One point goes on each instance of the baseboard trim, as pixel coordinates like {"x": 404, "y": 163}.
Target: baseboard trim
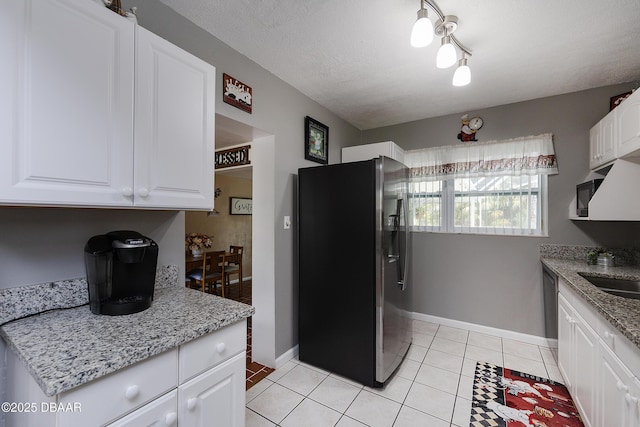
{"x": 286, "y": 356}
{"x": 502, "y": 333}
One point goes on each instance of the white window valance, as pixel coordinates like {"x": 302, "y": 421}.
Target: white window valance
{"x": 530, "y": 155}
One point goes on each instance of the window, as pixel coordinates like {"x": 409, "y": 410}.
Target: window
{"x": 490, "y": 188}
{"x": 504, "y": 204}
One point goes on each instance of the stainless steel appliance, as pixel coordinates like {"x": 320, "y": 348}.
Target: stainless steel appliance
{"x": 353, "y": 258}
{"x": 121, "y": 272}
{"x": 550, "y": 295}
{"x": 584, "y": 193}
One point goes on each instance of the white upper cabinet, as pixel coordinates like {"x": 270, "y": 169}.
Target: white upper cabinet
{"x": 602, "y": 142}
{"x": 628, "y": 124}
{"x": 174, "y": 126}
{"x": 72, "y": 72}
{"x": 66, "y": 113}
{"x": 617, "y": 135}
{"x": 372, "y": 151}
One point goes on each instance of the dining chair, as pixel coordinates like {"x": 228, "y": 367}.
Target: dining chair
{"x": 211, "y": 272}
{"x": 234, "y": 265}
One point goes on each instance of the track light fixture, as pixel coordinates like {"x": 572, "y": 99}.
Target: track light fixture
{"x": 422, "y": 32}
{"x": 422, "y": 35}
{"x": 462, "y": 76}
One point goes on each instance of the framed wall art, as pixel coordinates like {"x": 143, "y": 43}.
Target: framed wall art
{"x": 616, "y": 100}
{"x": 316, "y": 141}
{"x": 236, "y": 93}
{"x": 240, "y": 206}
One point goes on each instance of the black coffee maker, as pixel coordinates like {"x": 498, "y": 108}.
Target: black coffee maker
{"x": 121, "y": 272}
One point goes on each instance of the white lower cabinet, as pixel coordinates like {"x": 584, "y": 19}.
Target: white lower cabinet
{"x": 600, "y": 366}
{"x": 154, "y": 392}
{"x": 577, "y": 352}
{"x": 215, "y": 398}
{"x": 619, "y": 392}
{"x": 160, "y": 412}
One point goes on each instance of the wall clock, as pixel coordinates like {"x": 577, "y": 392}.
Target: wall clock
{"x": 469, "y": 128}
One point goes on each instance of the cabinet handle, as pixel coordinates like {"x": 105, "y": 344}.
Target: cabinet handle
{"x": 630, "y": 399}
{"x": 609, "y": 336}
{"x": 221, "y": 347}
{"x": 132, "y": 392}
{"x": 622, "y": 387}
{"x": 170, "y": 418}
{"x": 191, "y": 403}
{"x": 127, "y": 191}
{"x": 143, "y": 191}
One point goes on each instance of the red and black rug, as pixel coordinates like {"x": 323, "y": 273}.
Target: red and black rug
{"x": 506, "y": 398}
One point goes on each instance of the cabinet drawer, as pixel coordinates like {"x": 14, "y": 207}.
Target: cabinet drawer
{"x": 203, "y": 353}
{"x": 116, "y": 394}
{"x": 160, "y": 412}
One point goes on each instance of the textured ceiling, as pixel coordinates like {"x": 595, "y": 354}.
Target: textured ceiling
{"x": 354, "y": 57}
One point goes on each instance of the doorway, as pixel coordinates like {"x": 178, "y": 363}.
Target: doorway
{"x": 257, "y": 230}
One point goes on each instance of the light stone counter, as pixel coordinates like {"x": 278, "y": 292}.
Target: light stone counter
{"x": 622, "y": 313}
{"x": 65, "y": 348}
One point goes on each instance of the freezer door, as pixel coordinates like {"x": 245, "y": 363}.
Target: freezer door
{"x": 393, "y": 305}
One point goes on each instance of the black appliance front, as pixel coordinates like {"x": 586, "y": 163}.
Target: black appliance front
{"x": 121, "y": 271}
{"x": 336, "y": 214}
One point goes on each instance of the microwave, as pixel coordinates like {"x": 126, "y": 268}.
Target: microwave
{"x": 584, "y": 193}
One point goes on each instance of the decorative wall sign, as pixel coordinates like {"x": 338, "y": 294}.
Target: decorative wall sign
{"x": 236, "y": 93}
{"x": 240, "y": 206}
{"x": 616, "y": 100}
{"x": 316, "y": 141}
{"x": 237, "y": 156}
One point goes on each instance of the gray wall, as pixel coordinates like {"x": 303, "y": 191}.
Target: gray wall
{"x": 496, "y": 280}
{"x": 279, "y": 110}
{"x": 43, "y": 244}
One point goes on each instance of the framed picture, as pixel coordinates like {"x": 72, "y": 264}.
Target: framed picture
{"x": 316, "y": 141}
{"x": 236, "y": 93}
{"x": 240, "y": 206}
{"x": 616, "y": 100}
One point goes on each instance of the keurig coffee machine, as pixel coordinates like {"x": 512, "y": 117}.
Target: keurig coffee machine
{"x": 121, "y": 272}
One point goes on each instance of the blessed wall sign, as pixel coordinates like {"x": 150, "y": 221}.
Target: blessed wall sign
{"x": 237, "y": 156}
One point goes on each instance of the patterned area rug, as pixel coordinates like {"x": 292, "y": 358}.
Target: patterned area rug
{"x": 506, "y": 398}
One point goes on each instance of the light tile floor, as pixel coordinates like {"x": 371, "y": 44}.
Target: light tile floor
{"x": 432, "y": 388}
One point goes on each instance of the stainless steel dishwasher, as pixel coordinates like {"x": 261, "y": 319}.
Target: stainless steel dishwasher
{"x": 550, "y": 293}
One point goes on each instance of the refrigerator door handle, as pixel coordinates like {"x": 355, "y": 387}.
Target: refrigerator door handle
{"x": 402, "y": 205}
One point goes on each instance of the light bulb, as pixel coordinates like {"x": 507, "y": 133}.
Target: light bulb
{"x": 422, "y": 32}
{"x": 462, "y": 76}
{"x": 446, "y": 56}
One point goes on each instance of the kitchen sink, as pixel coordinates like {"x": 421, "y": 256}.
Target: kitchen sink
{"x": 620, "y": 287}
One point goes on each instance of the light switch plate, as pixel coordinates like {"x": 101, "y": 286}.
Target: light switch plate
{"x": 287, "y": 222}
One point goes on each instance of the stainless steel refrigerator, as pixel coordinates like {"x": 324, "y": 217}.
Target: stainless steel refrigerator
{"x": 353, "y": 259}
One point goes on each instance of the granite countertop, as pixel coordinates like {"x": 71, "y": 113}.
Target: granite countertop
{"x": 65, "y": 348}
{"x": 622, "y": 313}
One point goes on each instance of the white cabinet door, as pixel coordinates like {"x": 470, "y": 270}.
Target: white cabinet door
{"x": 585, "y": 360}
{"x": 565, "y": 342}
{"x": 602, "y": 143}
{"x": 615, "y": 383}
{"x": 174, "y": 132}
{"x": 628, "y": 124}
{"x": 577, "y": 359}
{"x": 66, "y": 110}
{"x": 162, "y": 412}
{"x": 215, "y": 398}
